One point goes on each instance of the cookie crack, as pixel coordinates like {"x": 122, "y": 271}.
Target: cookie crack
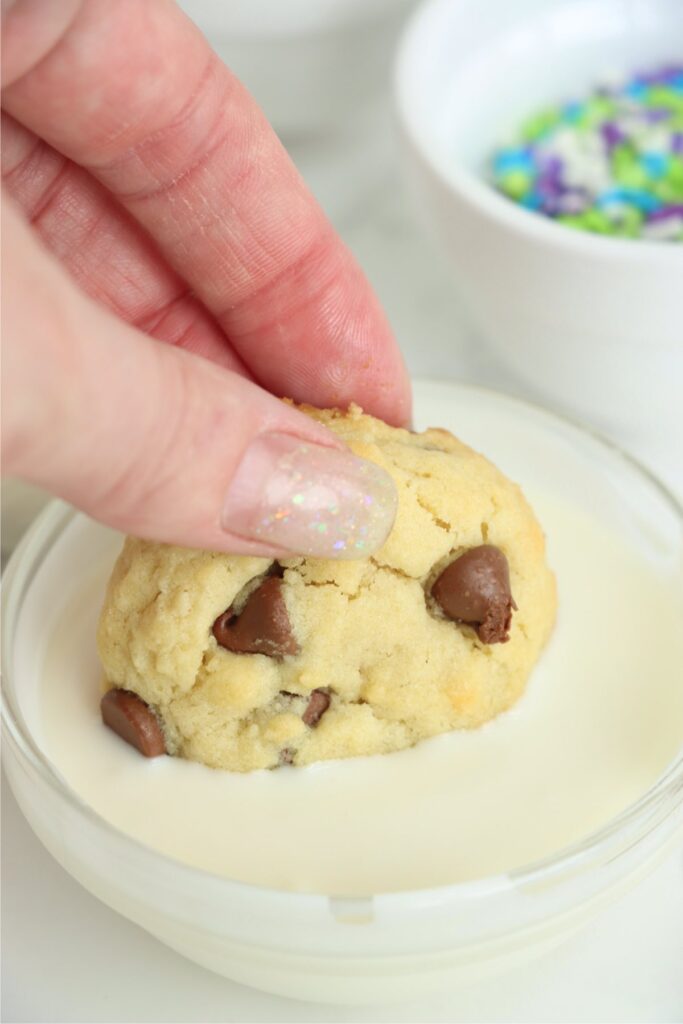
{"x": 145, "y": 608}
{"x": 442, "y": 524}
{"x": 401, "y": 573}
{"x": 364, "y": 584}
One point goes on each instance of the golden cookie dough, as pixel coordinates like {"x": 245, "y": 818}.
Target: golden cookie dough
{"x": 392, "y": 668}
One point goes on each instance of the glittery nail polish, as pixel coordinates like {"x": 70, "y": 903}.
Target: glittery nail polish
{"x": 309, "y": 499}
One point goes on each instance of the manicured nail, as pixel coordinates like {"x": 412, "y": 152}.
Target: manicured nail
{"x": 310, "y": 499}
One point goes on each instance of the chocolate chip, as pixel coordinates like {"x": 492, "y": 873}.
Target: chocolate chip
{"x": 261, "y": 627}
{"x": 287, "y": 755}
{"x": 134, "y": 721}
{"x": 318, "y": 703}
{"x": 475, "y": 589}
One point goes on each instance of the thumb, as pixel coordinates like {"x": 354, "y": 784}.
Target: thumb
{"x": 163, "y": 444}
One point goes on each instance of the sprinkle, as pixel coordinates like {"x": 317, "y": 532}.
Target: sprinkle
{"x": 654, "y": 164}
{"x": 610, "y": 163}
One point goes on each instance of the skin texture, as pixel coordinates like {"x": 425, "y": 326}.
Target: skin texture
{"x": 134, "y": 158}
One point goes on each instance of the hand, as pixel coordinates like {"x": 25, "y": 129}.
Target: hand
{"x": 196, "y": 272}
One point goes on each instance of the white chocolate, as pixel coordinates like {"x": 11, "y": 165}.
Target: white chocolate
{"x": 600, "y": 721}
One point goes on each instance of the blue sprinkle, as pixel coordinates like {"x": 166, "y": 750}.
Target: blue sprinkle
{"x": 655, "y": 165}
{"x": 636, "y": 90}
{"x": 571, "y": 112}
{"x": 644, "y": 201}
{"x": 513, "y": 160}
{"x": 531, "y": 201}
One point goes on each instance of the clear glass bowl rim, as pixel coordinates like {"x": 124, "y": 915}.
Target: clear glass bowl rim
{"x": 52, "y": 521}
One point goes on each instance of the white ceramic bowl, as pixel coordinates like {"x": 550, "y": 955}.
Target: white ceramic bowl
{"x": 592, "y": 324}
{"x": 391, "y": 945}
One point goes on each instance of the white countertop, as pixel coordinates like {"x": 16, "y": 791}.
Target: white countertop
{"x": 67, "y": 957}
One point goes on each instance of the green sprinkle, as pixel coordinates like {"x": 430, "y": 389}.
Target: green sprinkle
{"x": 595, "y": 111}
{"x": 515, "y": 184}
{"x": 572, "y": 220}
{"x": 667, "y": 191}
{"x": 597, "y": 221}
{"x": 540, "y": 124}
{"x": 630, "y": 222}
{"x": 667, "y": 99}
{"x": 632, "y": 175}
{"x": 674, "y": 172}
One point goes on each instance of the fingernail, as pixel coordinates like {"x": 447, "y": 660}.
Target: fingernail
{"x": 309, "y": 499}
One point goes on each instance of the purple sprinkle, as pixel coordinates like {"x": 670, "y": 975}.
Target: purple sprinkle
{"x": 550, "y": 169}
{"x": 664, "y": 75}
{"x": 665, "y": 213}
{"x": 551, "y": 173}
{"x": 551, "y": 165}
{"x": 568, "y": 202}
{"x": 660, "y": 77}
{"x": 655, "y": 114}
{"x": 677, "y": 142}
{"x": 549, "y": 188}
{"x": 612, "y": 134}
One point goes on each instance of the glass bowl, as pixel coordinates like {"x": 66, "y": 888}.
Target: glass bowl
{"x": 393, "y": 945}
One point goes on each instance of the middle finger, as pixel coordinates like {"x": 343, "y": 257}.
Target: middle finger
{"x": 133, "y": 92}
{"x": 104, "y": 249}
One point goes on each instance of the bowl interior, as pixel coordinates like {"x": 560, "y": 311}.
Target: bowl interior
{"x": 470, "y": 72}
{"x": 51, "y": 677}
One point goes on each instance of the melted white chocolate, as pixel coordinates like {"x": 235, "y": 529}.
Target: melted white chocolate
{"x": 601, "y": 719}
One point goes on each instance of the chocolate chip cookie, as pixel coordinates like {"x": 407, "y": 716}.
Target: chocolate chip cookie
{"x": 244, "y": 663}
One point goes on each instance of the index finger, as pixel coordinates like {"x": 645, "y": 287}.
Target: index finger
{"x": 133, "y": 92}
